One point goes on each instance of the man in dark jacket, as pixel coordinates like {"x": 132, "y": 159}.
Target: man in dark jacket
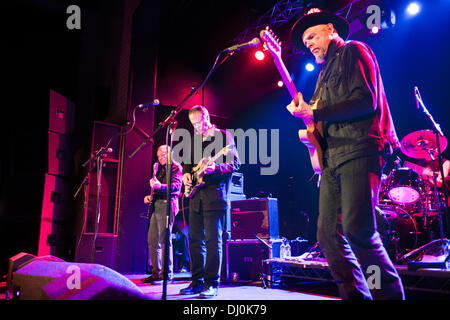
{"x": 157, "y": 228}
{"x": 355, "y": 123}
{"x": 209, "y": 203}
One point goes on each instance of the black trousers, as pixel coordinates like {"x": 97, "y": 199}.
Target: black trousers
{"x": 205, "y": 243}
{"x": 347, "y": 231}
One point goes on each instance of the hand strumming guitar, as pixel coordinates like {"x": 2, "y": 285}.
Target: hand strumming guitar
{"x": 210, "y": 167}
{"x": 155, "y": 184}
{"x": 148, "y": 199}
{"x": 300, "y": 109}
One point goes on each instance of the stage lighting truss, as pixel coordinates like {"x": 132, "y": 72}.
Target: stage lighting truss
{"x": 359, "y": 13}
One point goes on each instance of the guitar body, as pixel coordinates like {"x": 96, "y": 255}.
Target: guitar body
{"x": 197, "y": 181}
{"x": 310, "y": 137}
{"x": 198, "y": 172}
{"x": 151, "y": 205}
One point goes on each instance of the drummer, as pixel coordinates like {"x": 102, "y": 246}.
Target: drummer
{"x": 427, "y": 173}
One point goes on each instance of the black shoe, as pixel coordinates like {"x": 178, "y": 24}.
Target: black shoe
{"x": 157, "y": 280}
{"x": 152, "y": 279}
{"x": 208, "y": 293}
{"x": 193, "y": 288}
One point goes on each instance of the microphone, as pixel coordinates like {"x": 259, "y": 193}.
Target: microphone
{"x": 148, "y": 105}
{"x": 417, "y": 96}
{"x": 254, "y": 43}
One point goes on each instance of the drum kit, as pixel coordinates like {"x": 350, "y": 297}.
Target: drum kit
{"x": 409, "y": 205}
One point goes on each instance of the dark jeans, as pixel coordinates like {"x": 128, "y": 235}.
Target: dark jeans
{"x": 347, "y": 231}
{"x": 205, "y": 241}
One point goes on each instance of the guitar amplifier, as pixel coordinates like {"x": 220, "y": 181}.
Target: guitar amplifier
{"x": 244, "y": 258}
{"x": 254, "y": 218}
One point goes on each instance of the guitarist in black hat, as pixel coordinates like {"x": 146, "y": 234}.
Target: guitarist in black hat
{"x": 209, "y": 203}
{"x": 357, "y": 129}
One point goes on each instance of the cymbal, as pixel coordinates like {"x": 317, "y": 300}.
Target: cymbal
{"x": 417, "y": 144}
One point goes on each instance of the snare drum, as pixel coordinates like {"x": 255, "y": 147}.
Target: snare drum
{"x": 404, "y": 186}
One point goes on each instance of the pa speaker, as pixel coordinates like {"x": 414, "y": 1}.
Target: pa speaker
{"x": 55, "y": 280}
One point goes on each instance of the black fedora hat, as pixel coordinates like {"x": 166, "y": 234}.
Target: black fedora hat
{"x": 314, "y": 17}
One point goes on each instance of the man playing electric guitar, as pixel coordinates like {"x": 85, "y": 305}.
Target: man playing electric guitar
{"x": 357, "y": 129}
{"x": 157, "y": 228}
{"x": 209, "y": 204}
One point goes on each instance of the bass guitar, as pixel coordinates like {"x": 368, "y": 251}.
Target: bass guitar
{"x": 310, "y": 136}
{"x": 198, "y": 172}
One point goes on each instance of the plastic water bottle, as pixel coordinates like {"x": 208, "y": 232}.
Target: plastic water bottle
{"x": 288, "y": 249}
{"x": 282, "y": 250}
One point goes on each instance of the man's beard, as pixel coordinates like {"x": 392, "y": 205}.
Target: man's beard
{"x": 320, "y": 57}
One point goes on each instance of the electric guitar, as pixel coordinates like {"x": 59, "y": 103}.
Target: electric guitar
{"x": 198, "y": 172}
{"x": 151, "y": 205}
{"x": 310, "y": 136}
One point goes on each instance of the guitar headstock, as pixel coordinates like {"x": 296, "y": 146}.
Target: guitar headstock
{"x": 271, "y": 42}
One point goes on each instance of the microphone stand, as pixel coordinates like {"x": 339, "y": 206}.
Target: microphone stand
{"x": 169, "y": 138}
{"x": 171, "y": 122}
{"x": 438, "y": 132}
{"x": 98, "y": 156}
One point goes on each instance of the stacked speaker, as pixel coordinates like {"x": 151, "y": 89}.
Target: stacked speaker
{"x": 56, "y": 197}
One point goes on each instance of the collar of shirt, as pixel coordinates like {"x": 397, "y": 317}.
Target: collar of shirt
{"x": 333, "y": 47}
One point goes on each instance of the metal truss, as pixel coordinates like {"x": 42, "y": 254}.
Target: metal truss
{"x": 285, "y": 11}
{"x": 279, "y": 15}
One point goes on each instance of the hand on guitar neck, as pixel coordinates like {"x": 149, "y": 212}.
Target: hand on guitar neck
{"x": 300, "y": 109}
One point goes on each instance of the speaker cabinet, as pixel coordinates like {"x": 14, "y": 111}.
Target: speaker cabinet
{"x": 61, "y": 114}
{"x": 53, "y": 216}
{"x": 254, "y": 217}
{"x": 244, "y": 258}
{"x": 105, "y": 249}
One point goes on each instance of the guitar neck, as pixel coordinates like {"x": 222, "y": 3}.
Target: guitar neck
{"x": 220, "y": 153}
{"x": 287, "y": 80}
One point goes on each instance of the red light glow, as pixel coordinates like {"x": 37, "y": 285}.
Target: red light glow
{"x": 259, "y": 55}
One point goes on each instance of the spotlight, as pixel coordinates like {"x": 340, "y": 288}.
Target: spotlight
{"x": 309, "y": 67}
{"x": 375, "y": 30}
{"x": 259, "y": 55}
{"x": 413, "y": 8}
{"x": 280, "y": 83}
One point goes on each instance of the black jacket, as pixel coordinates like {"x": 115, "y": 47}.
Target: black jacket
{"x": 214, "y": 194}
{"x": 354, "y": 118}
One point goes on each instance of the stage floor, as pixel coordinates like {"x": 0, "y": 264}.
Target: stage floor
{"x": 227, "y": 291}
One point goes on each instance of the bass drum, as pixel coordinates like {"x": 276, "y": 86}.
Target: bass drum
{"x": 404, "y": 186}
{"x": 397, "y": 229}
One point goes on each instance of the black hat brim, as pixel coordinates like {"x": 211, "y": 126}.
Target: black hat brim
{"x": 309, "y": 20}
